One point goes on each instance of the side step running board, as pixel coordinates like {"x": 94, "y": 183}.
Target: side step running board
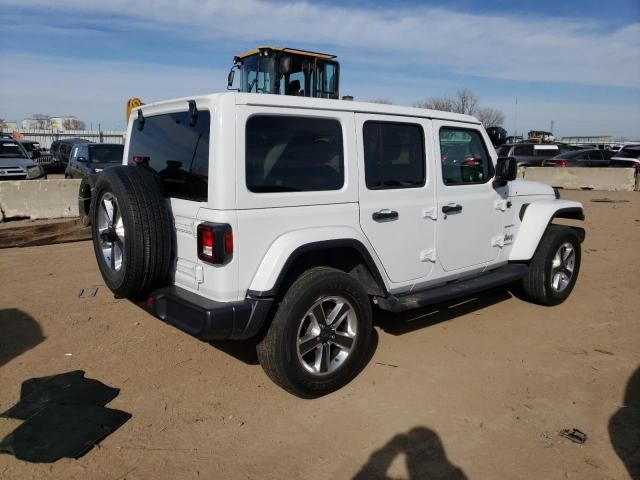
{"x": 500, "y": 276}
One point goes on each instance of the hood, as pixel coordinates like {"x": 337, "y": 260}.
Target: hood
{"x": 17, "y": 162}
{"x": 519, "y": 187}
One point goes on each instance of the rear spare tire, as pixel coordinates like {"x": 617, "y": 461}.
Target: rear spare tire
{"x": 131, "y": 227}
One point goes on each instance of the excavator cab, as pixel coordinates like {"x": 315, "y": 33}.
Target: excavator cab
{"x": 286, "y": 71}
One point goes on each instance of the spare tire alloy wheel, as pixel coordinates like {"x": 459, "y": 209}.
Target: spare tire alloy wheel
{"x": 111, "y": 231}
{"x": 326, "y": 335}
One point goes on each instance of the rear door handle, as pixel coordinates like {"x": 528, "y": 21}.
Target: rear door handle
{"x": 385, "y": 214}
{"x": 451, "y": 208}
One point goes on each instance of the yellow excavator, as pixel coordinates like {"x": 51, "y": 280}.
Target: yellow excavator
{"x": 280, "y": 71}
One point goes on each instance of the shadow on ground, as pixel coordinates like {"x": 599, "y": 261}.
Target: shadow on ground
{"x": 624, "y": 427}
{"x": 424, "y": 456}
{"x": 411, "y": 320}
{"x": 19, "y": 332}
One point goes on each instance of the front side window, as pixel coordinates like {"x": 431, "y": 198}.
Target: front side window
{"x": 465, "y": 158}
{"x": 523, "y": 150}
{"x": 176, "y": 150}
{"x": 293, "y": 154}
{"x": 393, "y": 155}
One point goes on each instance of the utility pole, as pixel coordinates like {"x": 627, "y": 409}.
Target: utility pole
{"x": 515, "y": 121}
{"x": 551, "y": 127}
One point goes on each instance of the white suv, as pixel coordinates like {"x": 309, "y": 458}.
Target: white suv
{"x": 285, "y": 218}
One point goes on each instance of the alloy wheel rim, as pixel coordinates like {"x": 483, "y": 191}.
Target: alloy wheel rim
{"x": 111, "y": 232}
{"x": 326, "y": 335}
{"x": 562, "y": 267}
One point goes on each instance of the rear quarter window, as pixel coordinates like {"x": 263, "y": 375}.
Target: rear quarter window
{"x": 293, "y": 154}
{"x": 177, "y": 151}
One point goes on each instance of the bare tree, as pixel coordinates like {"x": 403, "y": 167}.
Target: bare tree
{"x": 73, "y": 124}
{"x": 490, "y": 117}
{"x": 436, "y": 103}
{"x": 466, "y": 102}
{"x": 42, "y": 121}
{"x": 383, "y": 101}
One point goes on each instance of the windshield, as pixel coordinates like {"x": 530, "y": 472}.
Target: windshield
{"x": 11, "y": 150}
{"x": 258, "y": 74}
{"x": 106, "y": 153}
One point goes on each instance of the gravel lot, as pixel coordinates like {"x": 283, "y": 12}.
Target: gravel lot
{"x": 474, "y": 389}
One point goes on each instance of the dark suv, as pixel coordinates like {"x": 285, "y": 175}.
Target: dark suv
{"x": 88, "y": 158}
{"x": 60, "y": 149}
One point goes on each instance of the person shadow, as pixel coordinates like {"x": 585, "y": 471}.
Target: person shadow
{"x": 424, "y": 455}
{"x": 624, "y": 428}
{"x": 19, "y": 332}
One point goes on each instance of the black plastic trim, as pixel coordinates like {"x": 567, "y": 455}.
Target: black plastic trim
{"x": 435, "y": 294}
{"x": 322, "y": 245}
{"x": 575, "y": 213}
{"x": 207, "y": 319}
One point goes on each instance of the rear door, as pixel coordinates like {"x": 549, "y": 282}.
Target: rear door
{"x": 471, "y": 209}
{"x": 178, "y": 151}
{"x": 396, "y": 191}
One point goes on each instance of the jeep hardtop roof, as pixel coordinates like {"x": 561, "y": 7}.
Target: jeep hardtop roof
{"x": 305, "y": 103}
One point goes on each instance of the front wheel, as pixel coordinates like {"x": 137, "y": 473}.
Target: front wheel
{"x": 319, "y": 337}
{"x": 554, "y": 269}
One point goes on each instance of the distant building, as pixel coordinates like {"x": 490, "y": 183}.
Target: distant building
{"x": 69, "y": 122}
{"x": 8, "y": 126}
{"x": 36, "y": 124}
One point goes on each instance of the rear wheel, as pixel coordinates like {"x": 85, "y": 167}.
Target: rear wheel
{"x": 554, "y": 269}
{"x": 320, "y": 334}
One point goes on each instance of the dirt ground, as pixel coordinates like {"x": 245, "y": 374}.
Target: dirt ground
{"x": 475, "y": 389}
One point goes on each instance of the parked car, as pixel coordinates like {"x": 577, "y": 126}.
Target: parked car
{"x": 61, "y": 149}
{"x": 301, "y": 214}
{"x": 89, "y": 158}
{"x": 87, "y": 161}
{"x": 37, "y": 154}
{"x": 497, "y": 135}
{"x": 15, "y": 163}
{"x": 627, "y": 157}
{"x": 528, "y": 154}
{"x": 580, "y": 158}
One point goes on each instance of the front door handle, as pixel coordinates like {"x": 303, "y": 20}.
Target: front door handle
{"x": 451, "y": 208}
{"x": 385, "y": 214}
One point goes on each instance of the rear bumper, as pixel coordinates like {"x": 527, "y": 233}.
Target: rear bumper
{"x": 207, "y": 319}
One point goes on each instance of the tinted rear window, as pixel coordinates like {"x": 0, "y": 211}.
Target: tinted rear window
{"x": 177, "y": 151}
{"x": 293, "y": 154}
{"x": 106, "y": 153}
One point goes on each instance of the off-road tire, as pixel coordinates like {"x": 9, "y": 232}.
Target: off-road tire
{"x": 148, "y": 248}
{"x": 277, "y": 351}
{"x": 84, "y": 201}
{"x": 536, "y": 285}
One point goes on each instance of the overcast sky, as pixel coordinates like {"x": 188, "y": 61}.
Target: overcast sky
{"x": 575, "y": 62}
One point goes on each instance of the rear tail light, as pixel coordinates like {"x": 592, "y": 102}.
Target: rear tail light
{"x": 215, "y": 242}
{"x": 561, "y": 163}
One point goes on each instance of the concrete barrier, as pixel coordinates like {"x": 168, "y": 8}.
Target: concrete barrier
{"x": 576, "y": 178}
{"x": 39, "y": 199}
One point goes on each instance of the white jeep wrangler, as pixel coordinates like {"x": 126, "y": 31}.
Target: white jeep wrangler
{"x": 283, "y": 218}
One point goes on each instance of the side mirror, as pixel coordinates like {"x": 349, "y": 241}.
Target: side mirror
{"x": 506, "y": 170}
{"x": 232, "y": 75}
{"x": 81, "y": 160}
